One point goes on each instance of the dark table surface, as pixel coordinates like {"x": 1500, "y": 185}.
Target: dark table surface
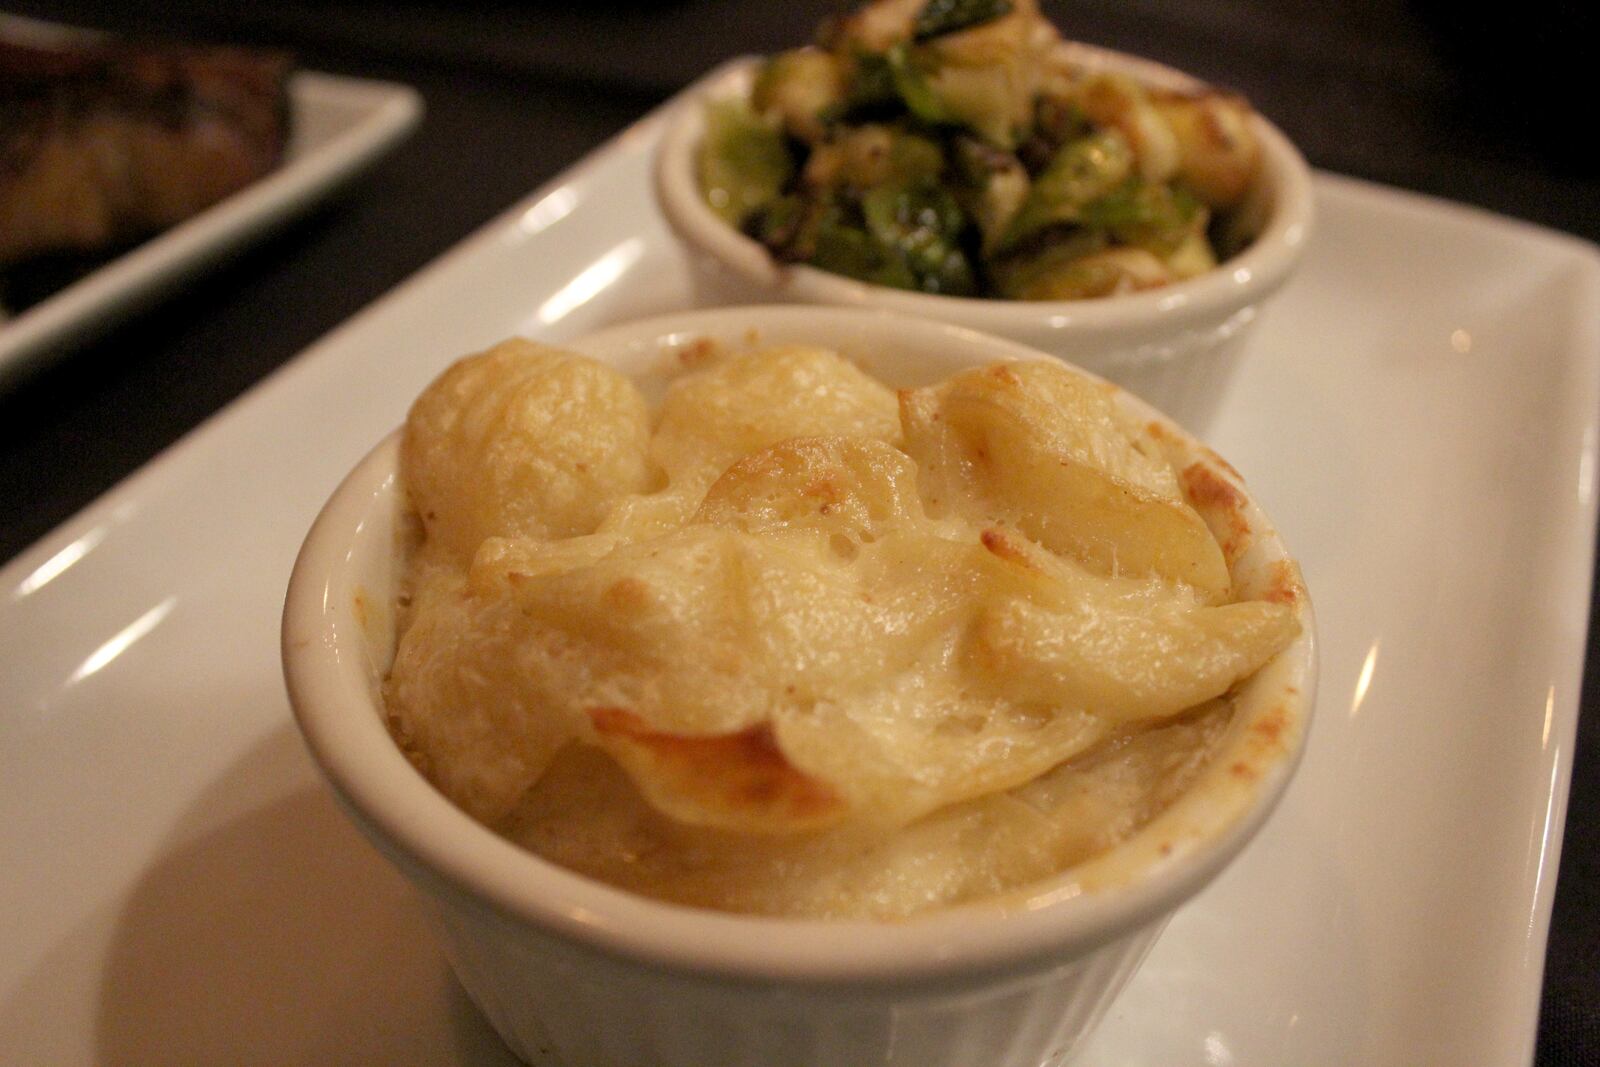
{"x": 1411, "y": 94}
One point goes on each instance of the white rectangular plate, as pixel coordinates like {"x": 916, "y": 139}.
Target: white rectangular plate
{"x": 1418, "y": 413}
{"x": 339, "y": 125}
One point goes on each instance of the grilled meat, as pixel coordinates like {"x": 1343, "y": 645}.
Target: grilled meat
{"x": 105, "y": 143}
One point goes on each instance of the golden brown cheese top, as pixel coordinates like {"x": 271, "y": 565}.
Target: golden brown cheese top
{"x": 802, "y": 623}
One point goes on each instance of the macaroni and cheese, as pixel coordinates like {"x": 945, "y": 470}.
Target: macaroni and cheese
{"x": 793, "y": 643}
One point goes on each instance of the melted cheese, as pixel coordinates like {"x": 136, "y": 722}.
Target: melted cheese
{"x": 914, "y": 646}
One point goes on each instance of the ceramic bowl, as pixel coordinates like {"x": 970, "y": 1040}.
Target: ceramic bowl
{"x": 572, "y": 972}
{"x": 1176, "y": 346}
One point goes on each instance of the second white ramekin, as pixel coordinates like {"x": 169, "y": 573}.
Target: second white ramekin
{"x": 1176, "y": 346}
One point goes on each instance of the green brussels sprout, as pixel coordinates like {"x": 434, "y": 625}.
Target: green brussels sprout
{"x": 869, "y": 156}
{"x": 922, "y": 223}
{"x": 905, "y": 235}
{"x": 1081, "y": 172}
{"x": 1159, "y": 218}
{"x": 841, "y": 247}
{"x": 937, "y": 145}
{"x": 982, "y": 99}
{"x": 743, "y": 161}
{"x": 1024, "y": 270}
{"x": 914, "y": 88}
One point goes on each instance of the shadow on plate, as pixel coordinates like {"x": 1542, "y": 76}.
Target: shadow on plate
{"x": 266, "y": 931}
{"x": 279, "y": 936}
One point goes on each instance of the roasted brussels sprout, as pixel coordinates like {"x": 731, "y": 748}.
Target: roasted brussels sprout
{"x": 993, "y": 185}
{"x": 945, "y": 146}
{"x": 743, "y": 162}
{"x": 1062, "y": 273}
{"x": 1218, "y": 155}
{"x": 1080, "y": 172}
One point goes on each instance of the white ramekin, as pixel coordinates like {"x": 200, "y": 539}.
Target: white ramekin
{"x": 577, "y": 973}
{"x": 1175, "y": 347}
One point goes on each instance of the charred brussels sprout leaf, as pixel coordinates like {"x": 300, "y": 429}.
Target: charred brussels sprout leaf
{"x": 921, "y": 223}
{"x": 743, "y": 161}
{"x": 905, "y": 236}
{"x": 939, "y": 17}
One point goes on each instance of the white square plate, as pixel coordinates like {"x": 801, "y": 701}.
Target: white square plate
{"x": 339, "y": 126}
{"x": 1418, "y": 413}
